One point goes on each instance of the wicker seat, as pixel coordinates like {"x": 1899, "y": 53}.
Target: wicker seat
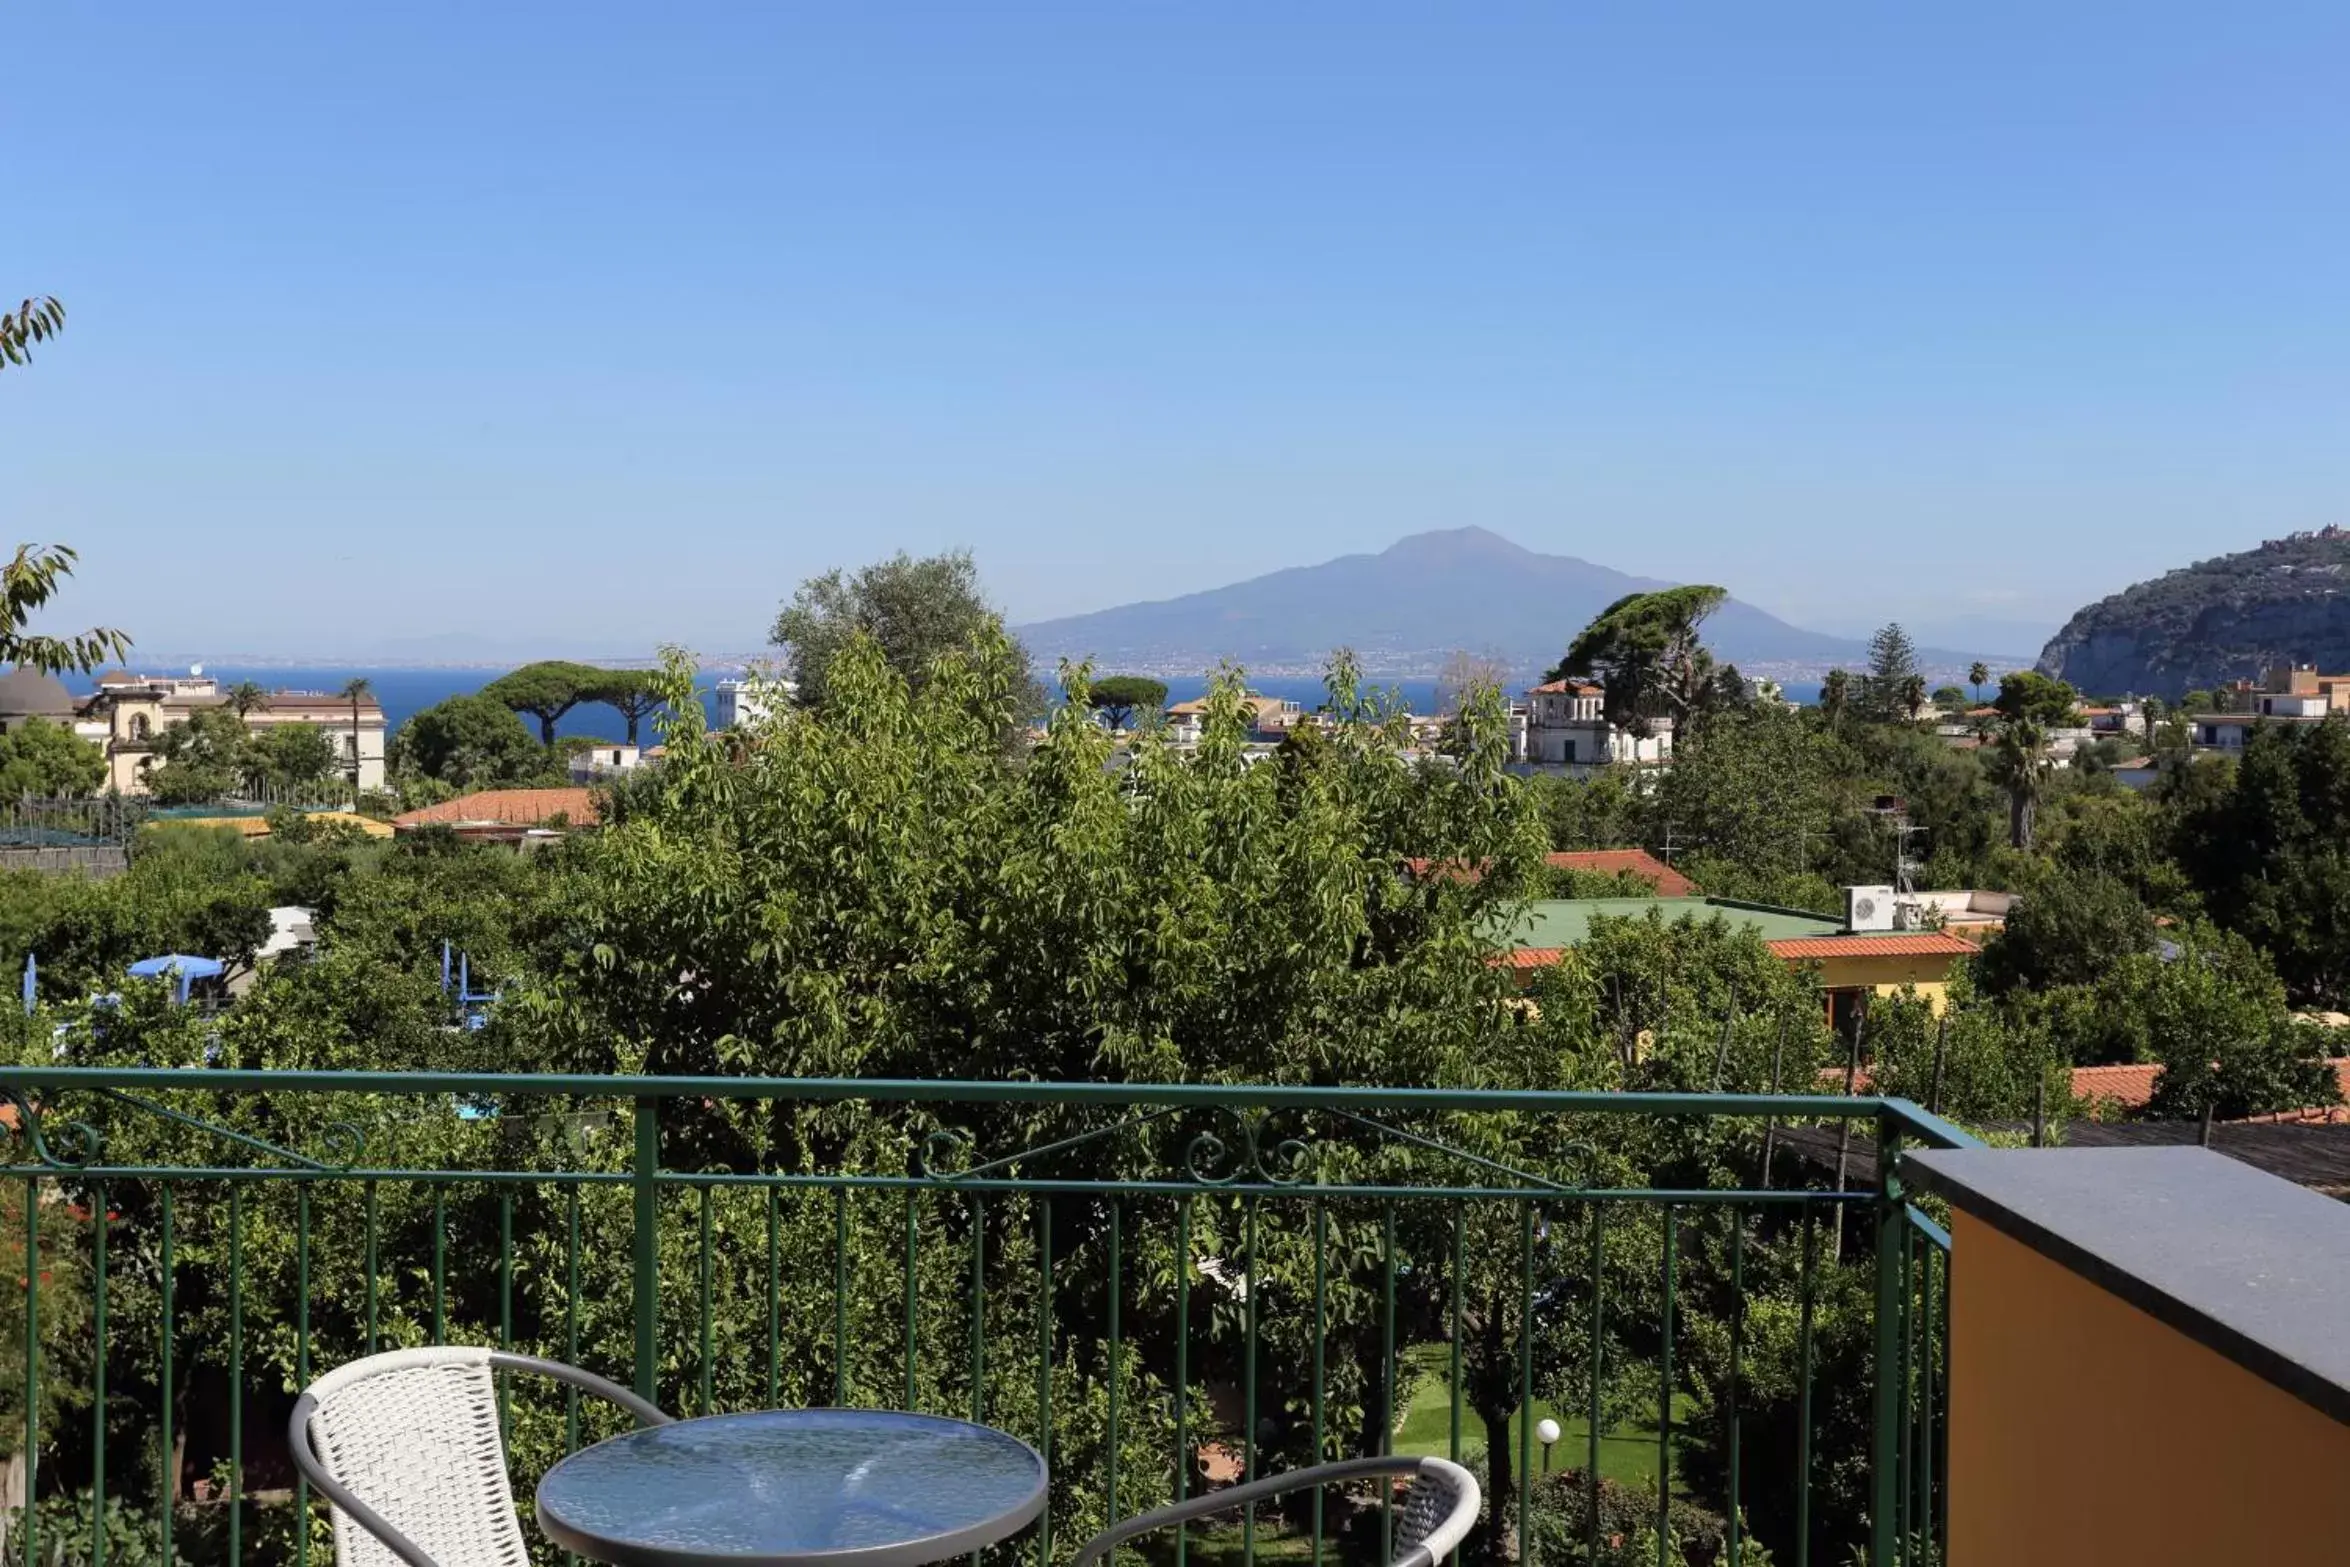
{"x": 1438, "y": 1510}
{"x": 405, "y": 1445}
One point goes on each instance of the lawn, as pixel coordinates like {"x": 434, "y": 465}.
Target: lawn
{"x": 1624, "y": 1455}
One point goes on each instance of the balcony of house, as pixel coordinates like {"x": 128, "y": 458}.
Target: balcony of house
{"x": 1649, "y": 1332}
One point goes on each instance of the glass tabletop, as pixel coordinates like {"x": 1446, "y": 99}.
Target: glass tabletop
{"x": 793, "y": 1488}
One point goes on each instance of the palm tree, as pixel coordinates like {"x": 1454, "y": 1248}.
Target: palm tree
{"x": 1913, "y": 695}
{"x": 244, "y": 697}
{"x": 356, "y": 690}
{"x": 1835, "y": 697}
{"x": 1978, "y": 675}
{"x": 2021, "y": 768}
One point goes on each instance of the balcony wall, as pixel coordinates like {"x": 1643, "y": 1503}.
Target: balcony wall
{"x": 2143, "y": 1348}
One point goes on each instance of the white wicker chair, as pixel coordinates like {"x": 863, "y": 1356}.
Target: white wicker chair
{"x": 1438, "y": 1510}
{"x": 405, "y": 1445}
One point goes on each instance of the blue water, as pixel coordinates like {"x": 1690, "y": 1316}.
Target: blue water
{"x": 404, "y": 691}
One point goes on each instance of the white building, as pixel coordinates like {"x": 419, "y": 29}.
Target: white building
{"x": 1566, "y": 730}
{"x": 608, "y": 759}
{"x": 741, "y": 703}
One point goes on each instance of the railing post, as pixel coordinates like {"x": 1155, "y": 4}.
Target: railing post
{"x": 1885, "y": 1436}
{"x": 647, "y": 1291}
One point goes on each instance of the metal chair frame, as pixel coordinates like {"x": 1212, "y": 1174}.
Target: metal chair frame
{"x": 348, "y": 1380}
{"x": 1435, "y": 1538}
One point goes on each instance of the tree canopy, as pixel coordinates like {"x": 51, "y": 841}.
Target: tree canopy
{"x": 914, "y": 611}
{"x": 469, "y": 742}
{"x": 634, "y": 694}
{"x": 548, "y": 689}
{"x": 41, "y": 758}
{"x": 1645, "y": 651}
{"x": 1119, "y": 698}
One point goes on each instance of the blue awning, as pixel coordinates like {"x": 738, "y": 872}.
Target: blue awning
{"x": 179, "y": 963}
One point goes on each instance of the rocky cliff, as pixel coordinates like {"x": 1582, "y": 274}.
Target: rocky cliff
{"x": 2287, "y": 602}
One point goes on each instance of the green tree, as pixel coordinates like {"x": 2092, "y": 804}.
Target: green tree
{"x": 1978, "y": 675}
{"x": 245, "y": 698}
{"x": 2029, "y": 705}
{"x": 35, "y": 321}
{"x": 1835, "y": 697}
{"x": 914, "y": 611}
{"x": 634, "y": 694}
{"x": 1949, "y": 698}
{"x": 1118, "y": 698}
{"x": 1463, "y": 675}
{"x": 2261, "y": 843}
{"x": 1752, "y": 789}
{"x": 2068, "y": 927}
{"x": 288, "y": 757}
{"x": 356, "y": 690}
{"x": 1605, "y": 811}
{"x": 1912, "y": 696}
{"x": 547, "y": 690}
{"x": 469, "y": 742}
{"x": 41, "y": 758}
{"x": 31, "y": 580}
{"x": 2215, "y": 1017}
{"x": 1893, "y": 660}
{"x": 201, "y": 759}
{"x": 1645, "y": 651}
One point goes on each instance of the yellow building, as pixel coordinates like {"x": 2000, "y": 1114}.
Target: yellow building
{"x": 1849, "y": 963}
{"x": 133, "y": 711}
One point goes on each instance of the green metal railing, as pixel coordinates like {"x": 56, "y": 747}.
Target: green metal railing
{"x": 1126, "y": 1275}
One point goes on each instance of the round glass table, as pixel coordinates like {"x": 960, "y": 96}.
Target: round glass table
{"x": 793, "y": 1488}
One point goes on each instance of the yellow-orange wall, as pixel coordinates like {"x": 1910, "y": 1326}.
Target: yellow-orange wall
{"x": 1929, "y": 974}
{"x": 2082, "y": 1430}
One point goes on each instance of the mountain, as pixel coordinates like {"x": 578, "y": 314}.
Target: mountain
{"x": 1404, "y": 609}
{"x": 2287, "y": 602}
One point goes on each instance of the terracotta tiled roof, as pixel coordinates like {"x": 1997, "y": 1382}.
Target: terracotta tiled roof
{"x": 514, "y": 807}
{"x": 1892, "y": 944}
{"x": 1530, "y": 957}
{"x": 1668, "y": 882}
{"x": 1577, "y": 687}
{"x": 2131, "y": 1086}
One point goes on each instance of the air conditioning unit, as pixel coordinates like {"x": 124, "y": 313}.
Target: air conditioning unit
{"x": 1868, "y": 908}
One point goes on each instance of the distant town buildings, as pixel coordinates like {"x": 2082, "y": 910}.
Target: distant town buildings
{"x": 1270, "y": 719}
{"x": 128, "y": 714}
{"x": 2288, "y": 694}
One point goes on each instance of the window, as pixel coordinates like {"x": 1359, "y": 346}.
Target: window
{"x": 140, "y": 729}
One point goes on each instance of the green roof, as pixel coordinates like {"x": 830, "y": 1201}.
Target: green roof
{"x": 1565, "y": 922}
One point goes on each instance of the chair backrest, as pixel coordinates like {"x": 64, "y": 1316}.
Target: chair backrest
{"x": 1438, "y": 1510}
{"x": 414, "y": 1434}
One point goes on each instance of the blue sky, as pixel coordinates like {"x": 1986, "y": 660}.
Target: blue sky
{"x": 606, "y": 324}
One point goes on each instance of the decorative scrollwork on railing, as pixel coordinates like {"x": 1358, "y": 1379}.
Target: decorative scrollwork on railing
{"x": 69, "y": 1145}
{"x": 934, "y": 1159}
{"x": 1287, "y": 1163}
{"x": 1243, "y": 1149}
{"x": 1588, "y": 1152}
{"x": 942, "y": 1155}
{"x": 343, "y": 1142}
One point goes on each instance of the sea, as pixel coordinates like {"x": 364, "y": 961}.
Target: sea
{"x": 403, "y": 691}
